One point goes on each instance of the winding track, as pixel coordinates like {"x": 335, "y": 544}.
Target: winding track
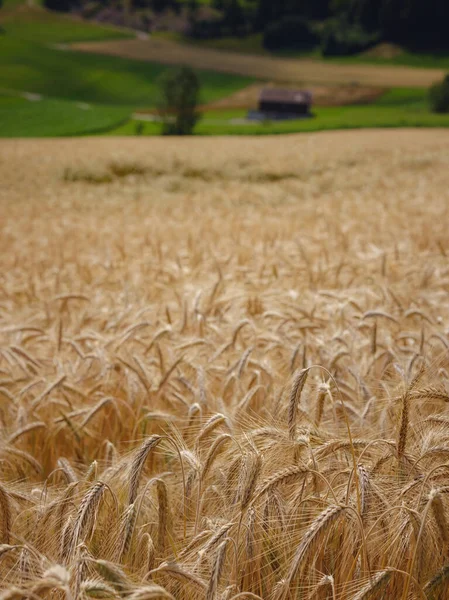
{"x": 299, "y": 71}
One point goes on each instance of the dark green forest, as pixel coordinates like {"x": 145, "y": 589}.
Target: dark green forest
{"x": 339, "y": 27}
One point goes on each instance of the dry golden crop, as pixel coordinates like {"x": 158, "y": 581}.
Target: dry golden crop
{"x": 224, "y": 367}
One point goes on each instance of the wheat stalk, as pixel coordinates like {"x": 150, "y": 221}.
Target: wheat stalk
{"x": 145, "y": 554}
{"x": 323, "y": 521}
{"x": 287, "y": 475}
{"x": 163, "y": 521}
{"x": 86, "y": 514}
{"x": 217, "y": 570}
{"x": 377, "y": 584}
{"x": 6, "y": 517}
{"x": 138, "y": 463}
{"x": 295, "y": 397}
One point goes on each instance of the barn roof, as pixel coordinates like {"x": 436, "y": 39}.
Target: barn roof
{"x": 285, "y": 96}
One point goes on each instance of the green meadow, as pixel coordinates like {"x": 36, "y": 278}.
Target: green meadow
{"x": 48, "y": 89}
{"x": 397, "y": 108}
{"x": 34, "y": 59}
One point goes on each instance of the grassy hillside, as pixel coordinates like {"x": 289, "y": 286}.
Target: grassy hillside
{"x": 32, "y": 23}
{"x": 82, "y": 77}
{"x": 34, "y": 59}
{"x": 397, "y": 108}
{"x": 49, "y": 117}
{"x": 15, "y": 3}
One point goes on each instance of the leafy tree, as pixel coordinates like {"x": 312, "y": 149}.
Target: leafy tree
{"x": 192, "y": 7}
{"x": 160, "y": 5}
{"x": 339, "y": 37}
{"x": 415, "y": 23}
{"x": 365, "y": 13}
{"x": 269, "y": 11}
{"x": 60, "y": 5}
{"x": 234, "y": 17}
{"x": 309, "y": 9}
{"x": 290, "y": 33}
{"x": 266, "y": 13}
{"x": 179, "y": 96}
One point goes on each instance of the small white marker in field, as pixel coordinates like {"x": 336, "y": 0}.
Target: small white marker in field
{"x": 32, "y": 97}
{"x": 63, "y": 47}
{"x": 146, "y": 117}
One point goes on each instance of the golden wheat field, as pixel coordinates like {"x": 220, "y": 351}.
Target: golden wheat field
{"x": 224, "y": 367}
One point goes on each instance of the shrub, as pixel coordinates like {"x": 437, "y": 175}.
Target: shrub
{"x": 90, "y": 9}
{"x": 439, "y": 96}
{"x": 179, "y": 89}
{"x": 290, "y": 33}
{"x": 340, "y": 38}
{"x": 61, "y": 5}
{"x": 204, "y": 29}
{"x": 234, "y": 18}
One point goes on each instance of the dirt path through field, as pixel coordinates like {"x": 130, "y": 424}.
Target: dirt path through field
{"x": 298, "y": 71}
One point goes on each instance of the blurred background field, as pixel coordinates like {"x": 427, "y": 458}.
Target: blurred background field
{"x": 49, "y": 88}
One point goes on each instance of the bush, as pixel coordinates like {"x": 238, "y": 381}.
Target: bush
{"x": 290, "y": 33}
{"x": 90, "y": 9}
{"x": 234, "y": 18}
{"x": 340, "y": 38}
{"x": 61, "y": 5}
{"x": 439, "y": 96}
{"x": 139, "y": 128}
{"x": 205, "y": 29}
{"x": 180, "y": 89}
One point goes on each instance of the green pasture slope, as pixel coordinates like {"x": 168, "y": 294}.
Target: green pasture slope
{"x": 48, "y": 90}
{"x": 397, "y": 108}
{"x": 20, "y": 117}
{"x": 34, "y": 60}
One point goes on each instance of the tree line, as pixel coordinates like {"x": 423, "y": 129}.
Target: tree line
{"x": 340, "y": 26}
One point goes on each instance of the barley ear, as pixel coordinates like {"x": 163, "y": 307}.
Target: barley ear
{"x": 138, "y": 463}
{"x": 217, "y": 570}
{"x": 295, "y": 397}
{"x": 372, "y": 589}
{"x": 164, "y": 518}
{"x": 403, "y": 429}
{"x": 440, "y": 578}
{"x": 5, "y": 513}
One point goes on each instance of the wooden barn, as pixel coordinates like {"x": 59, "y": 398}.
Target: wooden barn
{"x": 284, "y": 104}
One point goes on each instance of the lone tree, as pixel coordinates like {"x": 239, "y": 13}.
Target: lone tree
{"x": 179, "y": 95}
